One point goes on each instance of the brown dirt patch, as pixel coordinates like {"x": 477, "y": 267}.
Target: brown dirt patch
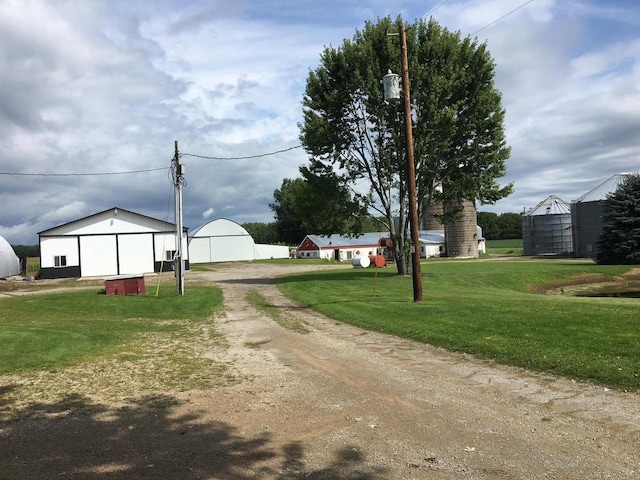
{"x": 584, "y": 284}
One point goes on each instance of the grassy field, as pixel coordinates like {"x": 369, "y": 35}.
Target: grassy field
{"x": 44, "y": 332}
{"x": 495, "y": 310}
{"x": 504, "y": 247}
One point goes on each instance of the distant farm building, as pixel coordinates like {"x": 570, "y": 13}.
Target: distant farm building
{"x": 223, "y": 240}
{"x": 587, "y": 216}
{"x": 340, "y": 247}
{"x": 9, "y": 263}
{"x": 546, "y": 228}
{"x": 113, "y": 242}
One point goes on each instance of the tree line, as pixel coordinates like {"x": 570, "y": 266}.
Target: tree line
{"x": 504, "y": 226}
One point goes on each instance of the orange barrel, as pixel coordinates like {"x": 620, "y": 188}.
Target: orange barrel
{"x": 377, "y": 261}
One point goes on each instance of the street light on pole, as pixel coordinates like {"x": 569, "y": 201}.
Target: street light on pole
{"x": 391, "y": 92}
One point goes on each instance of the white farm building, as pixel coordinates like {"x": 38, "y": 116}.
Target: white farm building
{"x": 223, "y": 240}
{"x": 9, "y": 263}
{"x": 113, "y": 242}
{"x": 340, "y": 247}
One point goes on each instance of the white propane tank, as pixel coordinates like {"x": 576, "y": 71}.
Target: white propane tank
{"x": 361, "y": 262}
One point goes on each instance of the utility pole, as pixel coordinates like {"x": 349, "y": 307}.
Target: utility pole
{"x": 178, "y": 259}
{"x": 411, "y": 172}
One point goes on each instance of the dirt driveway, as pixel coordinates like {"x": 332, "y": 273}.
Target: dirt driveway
{"x": 335, "y": 403}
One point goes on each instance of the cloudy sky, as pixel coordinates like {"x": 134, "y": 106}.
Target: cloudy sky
{"x": 107, "y": 86}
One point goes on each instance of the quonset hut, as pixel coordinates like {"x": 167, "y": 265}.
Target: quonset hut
{"x": 223, "y": 240}
{"x": 546, "y": 228}
{"x": 9, "y": 263}
{"x": 587, "y": 216}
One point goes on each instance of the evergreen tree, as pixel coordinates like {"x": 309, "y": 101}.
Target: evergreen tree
{"x": 619, "y": 241}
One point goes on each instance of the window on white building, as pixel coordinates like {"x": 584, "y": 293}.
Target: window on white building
{"x": 60, "y": 261}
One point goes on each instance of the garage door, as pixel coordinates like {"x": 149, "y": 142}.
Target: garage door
{"x": 98, "y": 256}
{"x": 135, "y": 253}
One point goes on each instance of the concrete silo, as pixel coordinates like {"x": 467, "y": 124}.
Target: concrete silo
{"x": 587, "y": 216}
{"x": 429, "y": 221}
{"x": 462, "y": 234}
{"x": 546, "y": 228}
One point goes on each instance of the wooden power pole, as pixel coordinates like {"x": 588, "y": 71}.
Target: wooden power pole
{"x": 178, "y": 181}
{"x": 411, "y": 173}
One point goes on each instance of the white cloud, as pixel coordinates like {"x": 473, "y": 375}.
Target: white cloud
{"x": 108, "y": 86}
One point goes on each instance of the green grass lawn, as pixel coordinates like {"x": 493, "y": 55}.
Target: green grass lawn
{"x": 489, "y": 309}
{"x": 505, "y": 247}
{"x": 54, "y": 330}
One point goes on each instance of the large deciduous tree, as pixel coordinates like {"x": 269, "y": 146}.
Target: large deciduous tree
{"x": 458, "y": 122}
{"x": 619, "y": 241}
{"x": 289, "y": 224}
{"x": 316, "y": 203}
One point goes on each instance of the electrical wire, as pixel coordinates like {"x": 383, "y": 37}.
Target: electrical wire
{"x": 79, "y": 174}
{"x": 240, "y": 158}
{"x": 435, "y": 8}
{"x": 18, "y": 174}
{"x": 504, "y": 16}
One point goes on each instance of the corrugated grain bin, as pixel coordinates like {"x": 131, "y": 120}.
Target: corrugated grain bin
{"x": 546, "y": 229}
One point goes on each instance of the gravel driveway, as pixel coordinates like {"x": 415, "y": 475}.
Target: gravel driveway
{"x": 335, "y": 403}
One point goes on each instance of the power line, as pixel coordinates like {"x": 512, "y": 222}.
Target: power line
{"x": 17, "y": 174}
{"x": 504, "y": 16}
{"x": 435, "y": 8}
{"x": 240, "y": 158}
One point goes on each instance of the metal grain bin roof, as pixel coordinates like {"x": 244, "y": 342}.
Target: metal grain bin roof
{"x": 552, "y": 205}
{"x": 610, "y": 185}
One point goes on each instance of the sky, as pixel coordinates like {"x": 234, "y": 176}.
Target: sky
{"x": 107, "y": 86}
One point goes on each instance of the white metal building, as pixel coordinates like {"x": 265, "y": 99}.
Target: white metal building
{"x": 9, "y": 263}
{"x": 113, "y": 242}
{"x": 223, "y": 240}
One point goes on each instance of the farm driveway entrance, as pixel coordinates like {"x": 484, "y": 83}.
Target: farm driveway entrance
{"x": 342, "y": 403}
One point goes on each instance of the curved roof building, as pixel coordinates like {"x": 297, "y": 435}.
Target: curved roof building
{"x": 223, "y": 240}
{"x": 9, "y": 263}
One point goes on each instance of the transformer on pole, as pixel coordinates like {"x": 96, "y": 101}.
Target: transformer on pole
{"x": 391, "y": 82}
{"x": 178, "y": 181}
